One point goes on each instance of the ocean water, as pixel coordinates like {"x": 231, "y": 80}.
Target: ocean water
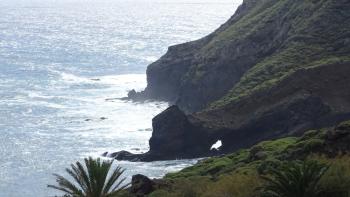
{"x": 63, "y": 66}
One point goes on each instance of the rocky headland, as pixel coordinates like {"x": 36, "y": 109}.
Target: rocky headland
{"x": 276, "y": 68}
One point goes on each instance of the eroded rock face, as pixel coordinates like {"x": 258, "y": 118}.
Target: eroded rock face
{"x": 308, "y": 99}
{"x": 176, "y": 135}
{"x": 173, "y": 136}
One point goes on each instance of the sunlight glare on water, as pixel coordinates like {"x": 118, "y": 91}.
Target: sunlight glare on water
{"x": 63, "y": 66}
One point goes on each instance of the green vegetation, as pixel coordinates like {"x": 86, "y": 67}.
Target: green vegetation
{"x": 220, "y": 165}
{"x": 295, "y": 179}
{"x": 345, "y": 124}
{"x": 91, "y": 180}
{"x": 249, "y": 172}
{"x": 314, "y": 38}
{"x": 261, "y": 13}
{"x": 286, "y": 167}
{"x": 337, "y": 178}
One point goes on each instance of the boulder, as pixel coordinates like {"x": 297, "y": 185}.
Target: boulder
{"x": 125, "y": 155}
{"x": 337, "y": 140}
{"x": 132, "y": 93}
{"x": 136, "y": 96}
{"x": 141, "y": 185}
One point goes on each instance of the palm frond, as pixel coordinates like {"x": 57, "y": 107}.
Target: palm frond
{"x": 91, "y": 180}
{"x": 295, "y": 179}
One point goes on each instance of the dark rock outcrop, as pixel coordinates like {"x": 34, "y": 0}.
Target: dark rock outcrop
{"x": 141, "y": 185}
{"x": 125, "y": 155}
{"x": 175, "y": 136}
{"x": 337, "y": 140}
{"x": 135, "y": 96}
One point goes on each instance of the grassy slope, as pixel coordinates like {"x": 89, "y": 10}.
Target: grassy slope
{"x": 238, "y": 174}
{"x": 315, "y": 38}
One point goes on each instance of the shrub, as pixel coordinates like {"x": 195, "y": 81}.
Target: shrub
{"x": 295, "y": 179}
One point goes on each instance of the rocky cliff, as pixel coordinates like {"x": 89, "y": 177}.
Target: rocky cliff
{"x": 263, "y": 42}
{"x": 275, "y": 68}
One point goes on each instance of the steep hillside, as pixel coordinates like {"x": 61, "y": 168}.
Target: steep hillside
{"x": 276, "y": 68}
{"x": 262, "y": 43}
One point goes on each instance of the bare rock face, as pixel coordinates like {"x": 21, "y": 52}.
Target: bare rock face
{"x": 173, "y": 136}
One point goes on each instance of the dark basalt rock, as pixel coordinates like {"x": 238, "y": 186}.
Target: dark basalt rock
{"x": 132, "y": 94}
{"x": 141, "y": 185}
{"x": 136, "y": 96}
{"x": 175, "y": 136}
{"x": 292, "y": 107}
{"x": 338, "y": 140}
{"x": 125, "y": 155}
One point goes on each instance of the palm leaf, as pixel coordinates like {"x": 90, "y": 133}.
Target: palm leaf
{"x": 91, "y": 180}
{"x": 295, "y": 179}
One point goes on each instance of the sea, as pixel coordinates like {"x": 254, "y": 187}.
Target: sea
{"x": 65, "y": 64}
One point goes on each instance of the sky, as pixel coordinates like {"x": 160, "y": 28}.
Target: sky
{"x": 48, "y": 3}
